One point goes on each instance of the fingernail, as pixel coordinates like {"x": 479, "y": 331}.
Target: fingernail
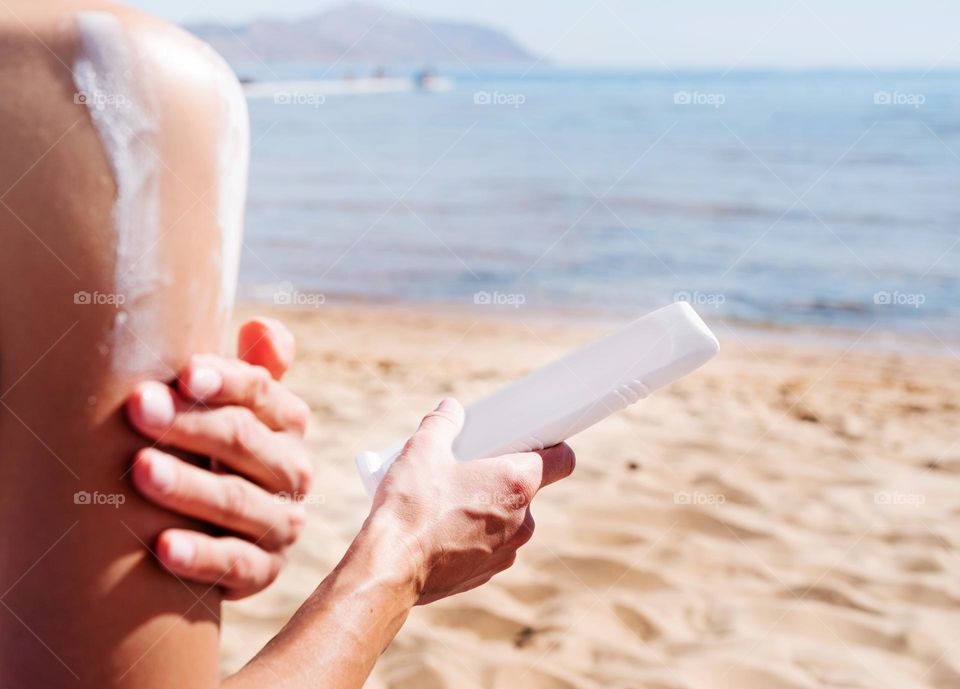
{"x": 162, "y": 473}
{"x": 203, "y": 383}
{"x": 446, "y": 404}
{"x": 156, "y": 406}
{"x": 180, "y": 551}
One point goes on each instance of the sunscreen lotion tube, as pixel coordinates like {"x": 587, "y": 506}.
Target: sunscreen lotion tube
{"x": 576, "y": 391}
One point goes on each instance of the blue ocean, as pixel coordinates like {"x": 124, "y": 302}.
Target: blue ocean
{"x": 782, "y": 198}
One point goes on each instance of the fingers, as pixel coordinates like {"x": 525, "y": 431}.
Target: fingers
{"x": 522, "y": 475}
{"x": 228, "y": 501}
{"x": 545, "y": 466}
{"x": 558, "y": 462}
{"x": 215, "y": 380}
{"x": 266, "y": 342}
{"x": 239, "y": 566}
{"x": 443, "y": 424}
{"x": 231, "y": 435}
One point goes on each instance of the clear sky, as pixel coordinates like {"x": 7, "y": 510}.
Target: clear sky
{"x": 673, "y": 33}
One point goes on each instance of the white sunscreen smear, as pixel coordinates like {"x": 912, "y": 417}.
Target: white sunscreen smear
{"x": 576, "y": 391}
{"x": 232, "y": 163}
{"x": 107, "y": 79}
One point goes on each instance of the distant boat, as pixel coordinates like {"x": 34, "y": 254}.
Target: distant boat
{"x": 346, "y": 87}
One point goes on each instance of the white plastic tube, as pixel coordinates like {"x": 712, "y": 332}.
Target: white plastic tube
{"x": 576, "y": 391}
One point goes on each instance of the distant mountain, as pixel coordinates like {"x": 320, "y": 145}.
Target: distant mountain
{"x": 362, "y": 33}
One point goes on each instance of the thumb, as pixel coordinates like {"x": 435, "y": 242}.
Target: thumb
{"x": 266, "y": 342}
{"x": 443, "y": 424}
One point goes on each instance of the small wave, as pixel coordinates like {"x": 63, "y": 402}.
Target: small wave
{"x": 832, "y": 306}
{"x": 692, "y": 208}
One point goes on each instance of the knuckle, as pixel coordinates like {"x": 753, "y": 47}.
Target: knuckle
{"x": 242, "y": 431}
{"x": 300, "y": 416}
{"x": 253, "y": 571}
{"x": 273, "y": 569}
{"x": 260, "y": 381}
{"x": 516, "y": 485}
{"x": 233, "y": 500}
{"x": 438, "y": 421}
{"x": 440, "y": 416}
{"x": 421, "y": 443}
{"x": 243, "y": 567}
{"x": 294, "y": 526}
{"x": 301, "y": 476}
{"x": 519, "y": 494}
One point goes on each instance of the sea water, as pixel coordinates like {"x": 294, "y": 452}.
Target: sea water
{"x": 795, "y": 198}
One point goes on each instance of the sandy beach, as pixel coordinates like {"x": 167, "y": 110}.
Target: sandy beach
{"x": 785, "y": 518}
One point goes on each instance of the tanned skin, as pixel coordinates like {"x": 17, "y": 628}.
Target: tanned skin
{"x": 83, "y": 602}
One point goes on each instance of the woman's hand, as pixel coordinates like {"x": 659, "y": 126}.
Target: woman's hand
{"x": 437, "y": 527}
{"x": 463, "y": 521}
{"x": 237, "y": 413}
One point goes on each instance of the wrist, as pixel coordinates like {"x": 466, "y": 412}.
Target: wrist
{"x": 393, "y": 554}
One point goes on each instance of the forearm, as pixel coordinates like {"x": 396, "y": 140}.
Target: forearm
{"x": 336, "y": 636}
